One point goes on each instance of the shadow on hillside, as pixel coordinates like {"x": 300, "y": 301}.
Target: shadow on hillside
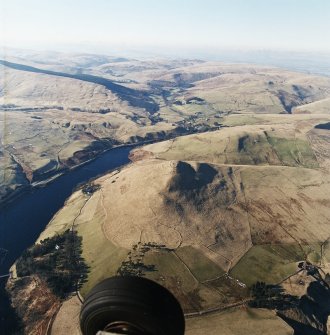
{"x": 134, "y": 97}
{"x": 10, "y": 322}
{"x": 307, "y": 315}
{"x": 187, "y": 178}
{"x": 301, "y": 328}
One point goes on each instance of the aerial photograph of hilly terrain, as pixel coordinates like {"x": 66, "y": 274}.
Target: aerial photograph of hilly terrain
{"x": 185, "y": 142}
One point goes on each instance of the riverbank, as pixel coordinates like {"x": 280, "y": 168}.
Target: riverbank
{"x": 15, "y": 195}
{"x": 22, "y": 220}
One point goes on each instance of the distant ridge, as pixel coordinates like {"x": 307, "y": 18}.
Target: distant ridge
{"x": 134, "y": 97}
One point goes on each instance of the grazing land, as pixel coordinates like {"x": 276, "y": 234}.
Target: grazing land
{"x": 240, "y": 322}
{"x": 236, "y": 194}
{"x": 56, "y": 114}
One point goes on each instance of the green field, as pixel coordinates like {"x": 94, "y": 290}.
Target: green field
{"x": 268, "y": 263}
{"x": 242, "y": 145}
{"x": 326, "y": 251}
{"x": 313, "y": 252}
{"x": 294, "y": 152}
{"x": 201, "y": 266}
{"x": 170, "y": 269}
{"x": 229, "y": 289}
{"x": 266, "y": 149}
{"x": 102, "y": 264}
{"x": 252, "y": 149}
{"x": 273, "y": 263}
{"x": 239, "y": 322}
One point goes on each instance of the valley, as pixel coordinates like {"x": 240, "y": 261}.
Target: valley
{"x": 234, "y": 189}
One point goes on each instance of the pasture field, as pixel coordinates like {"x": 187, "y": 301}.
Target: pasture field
{"x": 206, "y": 215}
{"x": 265, "y": 263}
{"x": 239, "y": 321}
{"x": 202, "y": 267}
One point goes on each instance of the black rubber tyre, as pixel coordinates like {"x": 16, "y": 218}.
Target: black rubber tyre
{"x": 137, "y": 301}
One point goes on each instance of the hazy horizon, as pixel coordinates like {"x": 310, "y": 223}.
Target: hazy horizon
{"x": 195, "y": 25}
{"x": 307, "y": 62}
{"x": 283, "y": 33}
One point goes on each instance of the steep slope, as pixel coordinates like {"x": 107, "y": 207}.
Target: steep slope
{"x": 242, "y": 205}
{"x": 207, "y": 232}
{"x": 232, "y": 88}
{"x": 51, "y": 120}
{"x": 135, "y": 98}
{"x": 202, "y": 217}
{"x": 49, "y": 123}
{"x": 296, "y": 141}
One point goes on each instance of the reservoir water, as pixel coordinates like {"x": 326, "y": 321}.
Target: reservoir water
{"x": 24, "y": 219}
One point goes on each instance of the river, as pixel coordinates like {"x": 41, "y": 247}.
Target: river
{"x": 24, "y": 219}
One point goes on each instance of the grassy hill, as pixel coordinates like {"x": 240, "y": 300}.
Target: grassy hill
{"x": 56, "y": 114}
{"x": 208, "y": 214}
{"x": 255, "y": 214}
{"x": 218, "y": 212}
